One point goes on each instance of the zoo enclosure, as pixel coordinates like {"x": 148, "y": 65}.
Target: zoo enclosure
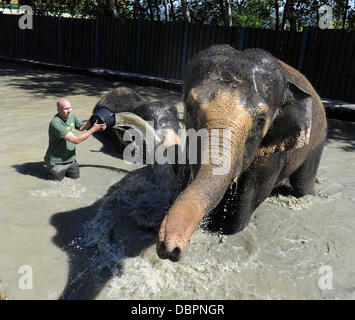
{"x": 161, "y": 49}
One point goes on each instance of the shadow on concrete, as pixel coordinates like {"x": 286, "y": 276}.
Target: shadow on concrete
{"x": 43, "y": 82}
{"x": 342, "y": 131}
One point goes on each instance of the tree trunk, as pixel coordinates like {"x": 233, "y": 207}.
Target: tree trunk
{"x": 345, "y": 13}
{"x": 166, "y": 8}
{"x": 112, "y": 5}
{"x": 289, "y": 14}
{"x": 222, "y": 11}
{"x": 136, "y": 9}
{"x": 316, "y": 6}
{"x": 151, "y": 12}
{"x": 157, "y": 9}
{"x": 172, "y": 10}
{"x": 276, "y": 6}
{"x": 186, "y": 11}
{"x": 229, "y": 21}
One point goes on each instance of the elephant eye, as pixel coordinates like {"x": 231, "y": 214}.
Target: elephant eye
{"x": 259, "y": 122}
{"x": 261, "y": 119}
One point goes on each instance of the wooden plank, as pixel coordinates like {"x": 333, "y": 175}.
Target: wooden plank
{"x": 154, "y": 36}
{"x": 122, "y": 46}
{"x": 314, "y": 54}
{"x": 333, "y": 40}
{"x": 298, "y": 48}
{"x": 260, "y": 42}
{"x": 192, "y": 41}
{"x": 145, "y": 50}
{"x": 247, "y": 38}
{"x": 170, "y": 59}
{"x": 64, "y": 26}
{"x": 308, "y": 58}
{"x": 114, "y": 38}
{"x": 302, "y": 49}
{"x": 266, "y": 41}
{"x": 292, "y": 48}
{"x": 162, "y": 48}
{"x": 321, "y": 63}
{"x": 108, "y": 43}
{"x": 336, "y": 77}
{"x": 241, "y": 38}
{"x": 350, "y": 91}
{"x": 130, "y": 45}
{"x": 102, "y": 42}
{"x": 349, "y": 47}
{"x": 167, "y": 51}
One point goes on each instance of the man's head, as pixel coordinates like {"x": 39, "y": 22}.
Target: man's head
{"x": 64, "y": 108}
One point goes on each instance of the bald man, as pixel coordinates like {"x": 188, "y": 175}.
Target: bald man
{"x": 60, "y": 157}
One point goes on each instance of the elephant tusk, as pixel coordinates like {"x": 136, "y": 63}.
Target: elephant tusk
{"x": 129, "y": 119}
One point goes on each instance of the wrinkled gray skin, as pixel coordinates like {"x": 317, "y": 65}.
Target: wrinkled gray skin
{"x": 278, "y": 128}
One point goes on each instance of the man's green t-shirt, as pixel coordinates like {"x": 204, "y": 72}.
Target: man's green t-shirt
{"x": 60, "y": 150}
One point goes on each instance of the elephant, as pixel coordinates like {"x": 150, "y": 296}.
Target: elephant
{"x": 131, "y": 110}
{"x": 277, "y": 126}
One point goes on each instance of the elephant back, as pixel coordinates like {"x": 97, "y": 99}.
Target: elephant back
{"x": 120, "y": 99}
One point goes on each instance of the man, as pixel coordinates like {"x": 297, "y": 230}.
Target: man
{"x": 60, "y": 156}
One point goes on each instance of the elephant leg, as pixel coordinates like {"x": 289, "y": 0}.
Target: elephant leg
{"x": 239, "y": 202}
{"x": 303, "y": 179}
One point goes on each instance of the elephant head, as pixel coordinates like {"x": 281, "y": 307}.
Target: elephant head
{"x": 248, "y": 94}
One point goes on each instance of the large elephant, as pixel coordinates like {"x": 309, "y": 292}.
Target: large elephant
{"x": 278, "y": 128}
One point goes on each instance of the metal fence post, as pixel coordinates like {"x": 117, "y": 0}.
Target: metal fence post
{"x": 184, "y": 49}
{"x": 139, "y": 45}
{"x": 96, "y": 55}
{"x": 60, "y": 59}
{"x": 241, "y": 38}
{"x": 23, "y": 46}
{"x": 302, "y": 49}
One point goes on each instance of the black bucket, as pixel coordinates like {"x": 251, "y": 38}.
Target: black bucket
{"x": 104, "y": 115}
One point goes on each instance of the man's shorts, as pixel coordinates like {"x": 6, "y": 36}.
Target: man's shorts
{"x": 59, "y": 171}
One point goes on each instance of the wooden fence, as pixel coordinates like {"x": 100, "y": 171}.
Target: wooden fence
{"x": 160, "y": 49}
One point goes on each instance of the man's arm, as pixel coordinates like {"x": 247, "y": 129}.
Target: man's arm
{"x": 81, "y": 137}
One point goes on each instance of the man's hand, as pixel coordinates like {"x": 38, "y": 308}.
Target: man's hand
{"x": 98, "y": 126}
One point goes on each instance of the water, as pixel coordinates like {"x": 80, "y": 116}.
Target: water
{"x": 95, "y": 238}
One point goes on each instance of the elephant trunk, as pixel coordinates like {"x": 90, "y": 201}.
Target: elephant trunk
{"x": 206, "y": 190}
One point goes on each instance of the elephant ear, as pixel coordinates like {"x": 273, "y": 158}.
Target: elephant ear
{"x": 292, "y": 126}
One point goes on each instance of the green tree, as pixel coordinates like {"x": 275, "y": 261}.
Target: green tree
{"x": 276, "y": 14}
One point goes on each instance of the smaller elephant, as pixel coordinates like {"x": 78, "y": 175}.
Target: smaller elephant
{"x": 132, "y": 111}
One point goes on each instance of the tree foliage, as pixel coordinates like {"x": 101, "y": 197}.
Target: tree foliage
{"x": 276, "y": 14}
